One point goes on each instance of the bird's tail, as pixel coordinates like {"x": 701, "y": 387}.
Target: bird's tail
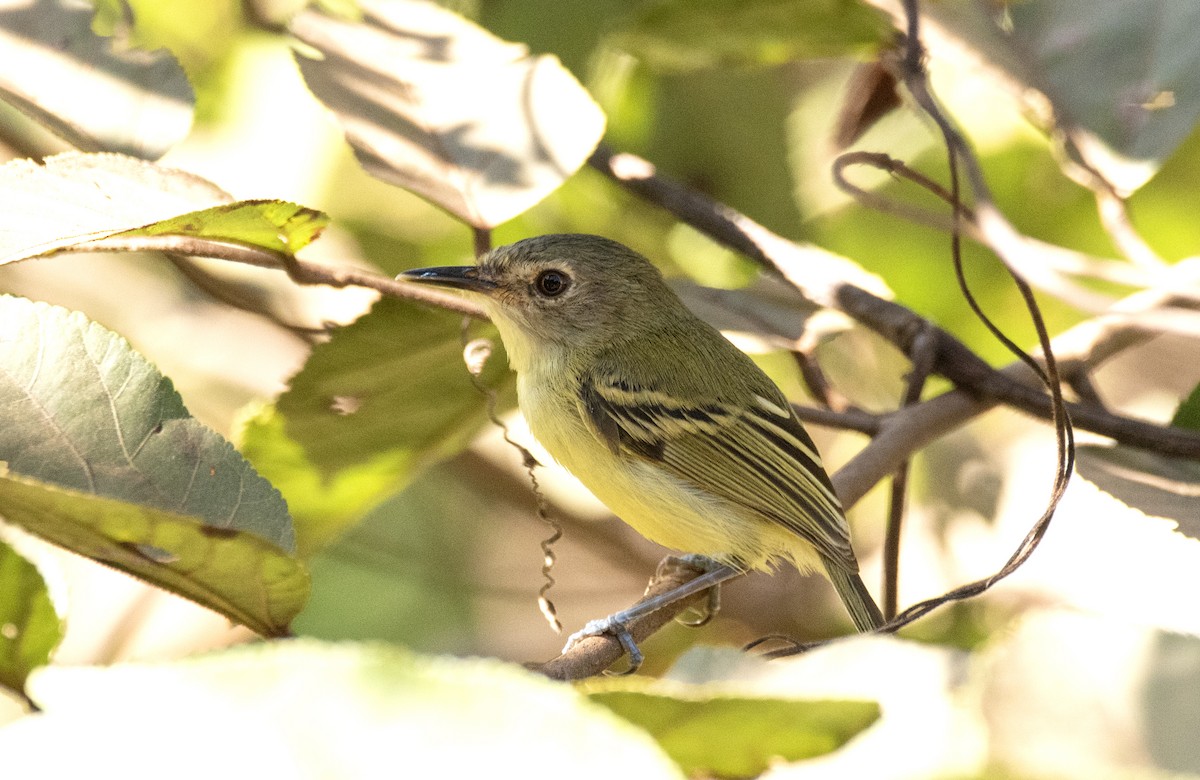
{"x": 854, "y": 595}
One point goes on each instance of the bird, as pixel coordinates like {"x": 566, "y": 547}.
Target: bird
{"x": 663, "y": 419}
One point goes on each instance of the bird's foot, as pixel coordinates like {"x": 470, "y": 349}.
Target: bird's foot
{"x": 616, "y": 626}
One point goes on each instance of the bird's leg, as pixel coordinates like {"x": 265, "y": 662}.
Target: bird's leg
{"x": 713, "y": 605}
{"x": 617, "y": 624}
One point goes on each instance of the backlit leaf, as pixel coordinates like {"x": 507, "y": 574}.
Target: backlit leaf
{"x": 712, "y": 733}
{"x": 29, "y": 626}
{"x": 437, "y": 105}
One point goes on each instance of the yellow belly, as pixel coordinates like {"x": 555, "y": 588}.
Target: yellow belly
{"x": 655, "y": 503}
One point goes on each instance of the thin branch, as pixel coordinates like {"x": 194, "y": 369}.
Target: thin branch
{"x": 923, "y": 354}
{"x": 302, "y": 271}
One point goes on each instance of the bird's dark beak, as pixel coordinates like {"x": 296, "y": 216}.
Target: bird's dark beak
{"x": 458, "y": 277}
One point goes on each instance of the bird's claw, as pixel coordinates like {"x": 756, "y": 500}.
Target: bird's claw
{"x": 616, "y": 628}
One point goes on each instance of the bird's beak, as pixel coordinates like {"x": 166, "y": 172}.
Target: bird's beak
{"x": 458, "y": 277}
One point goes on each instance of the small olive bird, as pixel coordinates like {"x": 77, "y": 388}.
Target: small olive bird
{"x": 675, "y": 429}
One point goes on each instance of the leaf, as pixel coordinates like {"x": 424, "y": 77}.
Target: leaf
{"x": 97, "y": 93}
{"x": 305, "y": 709}
{"x": 383, "y": 398}
{"x": 437, "y": 105}
{"x": 1188, "y": 413}
{"x": 82, "y": 410}
{"x": 392, "y": 384}
{"x": 239, "y": 575}
{"x": 29, "y": 625}
{"x": 1119, "y": 76}
{"x": 691, "y": 34}
{"x": 1157, "y": 485}
{"x": 75, "y": 197}
{"x": 101, "y": 454}
{"x": 322, "y": 505}
{"x": 713, "y": 733}
{"x": 274, "y": 224}
{"x": 1123, "y": 76}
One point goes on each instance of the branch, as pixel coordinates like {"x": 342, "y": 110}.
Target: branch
{"x": 301, "y": 271}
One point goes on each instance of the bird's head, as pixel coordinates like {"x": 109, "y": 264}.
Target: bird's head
{"x": 561, "y": 292}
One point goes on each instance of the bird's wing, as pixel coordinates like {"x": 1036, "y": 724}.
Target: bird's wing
{"x": 757, "y": 456}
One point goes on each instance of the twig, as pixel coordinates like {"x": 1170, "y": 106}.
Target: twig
{"x": 923, "y": 352}
{"x": 302, "y": 271}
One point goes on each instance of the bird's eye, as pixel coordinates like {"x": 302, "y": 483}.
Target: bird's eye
{"x": 552, "y": 283}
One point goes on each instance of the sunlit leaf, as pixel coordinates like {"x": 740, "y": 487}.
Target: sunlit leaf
{"x": 97, "y": 93}
{"x": 73, "y": 197}
{"x": 237, "y": 574}
{"x": 392, "y": 383}
{"x": 717, "y": 733}
{"x": 1119, "y": 76}
{"x": 1155, "y": 484}
{"x": 322, "y": 505}
{"x": 437, "y": 105}
{"x": 274, "y": 224}
{"x": 29, "y": 626}
{"x": 384, "y": 397}
{"x": 304, "y": 709}
{"x": 686, "y": 34}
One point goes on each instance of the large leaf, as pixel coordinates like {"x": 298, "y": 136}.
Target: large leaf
{"x": 437, "y": 105}
{"x": 685, "y": 34}
{"x": 85, "y": 413}
{"x": 305, "y": 710}
{"x": 384, "y": 397}
{"x": 710, "y": 732}
{"x": 97, "y": 93}
{"x": 75, "y": 198}
{"x": 82, "y": 410}
{"x": 72, "y": 197}
{"x": 237, "y": 574}
{"x": 1119, "y": 76}
{"x": 29, "y": 625}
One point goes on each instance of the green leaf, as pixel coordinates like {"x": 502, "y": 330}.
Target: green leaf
{"x": 436, "y": 104}
{"x": 274, "y": 224}
{"x": 689, "y": 34}
{"x": 1188, "y": 413}
{"x": 305, "y": 709}
{"x": 71, "y": 198}
{"x": 236, "y": 574}
{"x": 84, "y": 411}
{"x": 29, "y": 625}
{"x": 322, "y": 505}
{"x": 103, "y": 459}
{"x": 382, "y": 399}
{"x": 97, "y": 93}
{"x": 709, "y": 732}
